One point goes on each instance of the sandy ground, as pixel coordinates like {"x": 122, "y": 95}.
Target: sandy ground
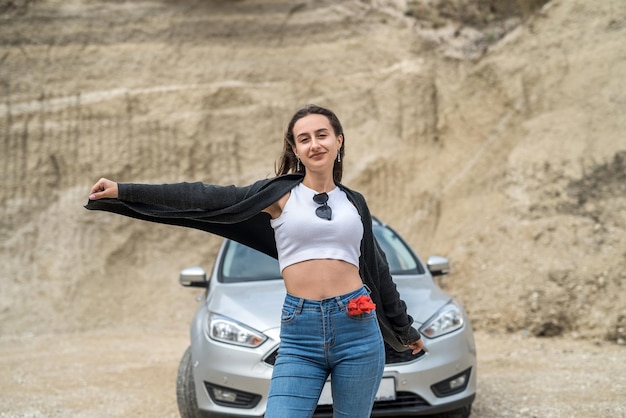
{"x": 132, "y": 372}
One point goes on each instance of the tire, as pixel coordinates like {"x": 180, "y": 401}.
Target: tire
{"x": 186, "y": 389}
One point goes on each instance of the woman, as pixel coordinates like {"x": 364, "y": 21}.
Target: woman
{"x": 336, "y": 276}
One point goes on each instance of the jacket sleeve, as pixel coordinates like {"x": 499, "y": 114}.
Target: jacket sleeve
{"x": 186, "y": 195}
{"x": 394, "y": 307}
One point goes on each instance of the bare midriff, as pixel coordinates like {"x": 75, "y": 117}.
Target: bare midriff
{"x": 321, "y": 279}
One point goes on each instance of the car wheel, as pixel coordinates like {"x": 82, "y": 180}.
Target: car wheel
{"x": 463, "y": 412}
{"x": 186, "y": 389}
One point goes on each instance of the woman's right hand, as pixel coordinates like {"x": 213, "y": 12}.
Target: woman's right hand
{"x": 102, "y": 189}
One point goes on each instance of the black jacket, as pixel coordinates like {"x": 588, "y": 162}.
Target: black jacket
{"x": 236, "y": 213}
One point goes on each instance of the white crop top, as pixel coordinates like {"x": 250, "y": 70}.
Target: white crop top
{"x": 301, "y": 235}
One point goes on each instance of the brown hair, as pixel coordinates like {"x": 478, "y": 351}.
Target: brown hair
{"x": 289, "y": 161}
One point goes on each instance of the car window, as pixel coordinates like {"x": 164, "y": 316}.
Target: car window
{"x": 241, "y": 263}
{"x": 400, "y": 258}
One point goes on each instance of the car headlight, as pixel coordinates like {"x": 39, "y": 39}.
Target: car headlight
{"x": 448, "y": 319}
{"x": 226, "y": 330}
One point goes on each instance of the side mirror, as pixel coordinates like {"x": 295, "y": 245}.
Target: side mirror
{"x": 193, "y": 277}
{"x": 438, "y": 266}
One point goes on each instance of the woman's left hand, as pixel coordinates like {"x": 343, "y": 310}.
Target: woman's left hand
{"x": 416, "y": 346}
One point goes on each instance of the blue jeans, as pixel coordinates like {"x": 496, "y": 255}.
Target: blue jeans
{"x": 319, "y": 339}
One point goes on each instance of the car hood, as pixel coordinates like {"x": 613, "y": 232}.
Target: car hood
{"x": 422, "y": 297}
{"x": 259, "y": 304}
{"x": 255, "y": 304}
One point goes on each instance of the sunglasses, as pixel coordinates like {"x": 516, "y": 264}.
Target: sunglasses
{"x": 324, "y": 211}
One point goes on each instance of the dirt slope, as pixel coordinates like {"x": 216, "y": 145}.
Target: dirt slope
{"x": 510, "y": 163}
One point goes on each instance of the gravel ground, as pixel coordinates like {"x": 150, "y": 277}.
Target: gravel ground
{"x": 132, "y": 372}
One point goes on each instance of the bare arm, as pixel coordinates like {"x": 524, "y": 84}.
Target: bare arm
{"x": 277, "y": 207}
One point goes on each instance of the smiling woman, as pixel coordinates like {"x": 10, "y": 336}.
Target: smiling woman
{"x": 322, "y": 234}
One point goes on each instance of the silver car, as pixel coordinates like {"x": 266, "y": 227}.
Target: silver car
{"x": 226, "y": 370}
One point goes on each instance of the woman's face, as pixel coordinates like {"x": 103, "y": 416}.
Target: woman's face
{"x": 317, "y": 145}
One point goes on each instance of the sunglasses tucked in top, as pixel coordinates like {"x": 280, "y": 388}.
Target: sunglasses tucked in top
{"x": 324, "y": 211}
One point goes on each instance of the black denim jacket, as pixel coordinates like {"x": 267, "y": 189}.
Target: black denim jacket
{"x": 236, "y": 213}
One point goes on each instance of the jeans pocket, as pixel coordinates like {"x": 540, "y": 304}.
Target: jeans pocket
{"x": 288, "y": 314}
{"x": 363, "y": 316}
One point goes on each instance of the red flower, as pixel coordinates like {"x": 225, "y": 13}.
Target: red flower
{"x": 359, "y": 305}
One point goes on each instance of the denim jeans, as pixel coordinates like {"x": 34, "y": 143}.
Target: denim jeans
{"x": 319, "y": 339}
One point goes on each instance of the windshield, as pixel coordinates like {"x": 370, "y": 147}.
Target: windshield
{"x": 243, "y": 264}
{"x": 400, "y": 258}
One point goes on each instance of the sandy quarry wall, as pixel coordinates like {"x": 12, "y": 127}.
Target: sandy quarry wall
{"x": 501, "y": 147}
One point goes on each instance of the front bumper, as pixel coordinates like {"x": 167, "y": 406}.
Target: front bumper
{"x": 248, "y": 371}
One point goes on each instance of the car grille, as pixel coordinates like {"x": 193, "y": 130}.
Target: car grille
{"x": 391, "y": 356}
{"x": 271, "y": 359}
{"x": 404, "y": 400}
{"x": 394, "y": 357}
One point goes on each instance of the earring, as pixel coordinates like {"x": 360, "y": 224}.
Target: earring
{"x": 298, "y": 164}
{"x": 339, "y": 155}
